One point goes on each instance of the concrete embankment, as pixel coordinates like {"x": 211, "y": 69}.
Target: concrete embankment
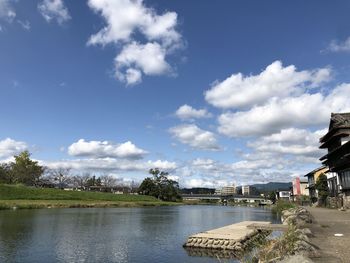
{"x": 294, "y": 245}
{"x": 236, "y": 237}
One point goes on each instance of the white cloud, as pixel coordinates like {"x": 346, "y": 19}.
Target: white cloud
{"x": 204, "y": 182}
{"x": 197, "y": 138}
{"x": 186, "y": 112}
{"x": 7, "y": 12}
{"x": 291, "y": 141}
{"x": 125, "y": 19}
{"x": 239, "y": 91}
{"x": 135, "y": 57}
{"x": 54, "y": 10}
{"x": 104, "y": 149}
{"x": 336, "y": 46}
{"x": 10, "y": 147}
{"x": 103, "y": 165}
{"x": 24, "y": 24}
{"x": 302, "y": 111}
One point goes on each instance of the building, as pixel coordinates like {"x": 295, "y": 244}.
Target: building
{"x": 249, "y": 190}
{"x": 229, "y": 190}
{"x": 283, "y": 195}
{"x": 300, "y": 188}
{"x": 312, "y": 179}
{"x": 337, "y": 142}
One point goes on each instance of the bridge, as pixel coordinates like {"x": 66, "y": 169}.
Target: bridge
{"x": 224, "y": 198}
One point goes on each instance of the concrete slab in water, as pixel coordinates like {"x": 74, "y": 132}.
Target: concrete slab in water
{"x": 235, "y": 232}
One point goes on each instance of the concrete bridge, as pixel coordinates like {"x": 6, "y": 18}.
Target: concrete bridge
{"x": 224, "y": 198}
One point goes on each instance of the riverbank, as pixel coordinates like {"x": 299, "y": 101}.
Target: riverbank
{"x": 22, "y": 197}
{"x": 315, "y": 235}
{"x": 293, "y": 245}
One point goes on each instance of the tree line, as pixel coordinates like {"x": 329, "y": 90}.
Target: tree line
{"x": 24, "y": 170}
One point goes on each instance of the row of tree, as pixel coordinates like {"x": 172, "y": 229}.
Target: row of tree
{"x": 25, "y": 171}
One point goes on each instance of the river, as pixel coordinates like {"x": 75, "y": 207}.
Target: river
{"x": 146, "y": 234}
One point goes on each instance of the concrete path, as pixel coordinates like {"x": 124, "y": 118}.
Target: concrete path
{"x": 327, "y": 223}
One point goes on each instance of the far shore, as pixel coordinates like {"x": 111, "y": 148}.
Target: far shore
{"x": 23, "y": 197}
{"x": 37, "y": 204}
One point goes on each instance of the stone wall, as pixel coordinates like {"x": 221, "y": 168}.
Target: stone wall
{"x": 346, "y": 200}
{"x": 226, "y": 244}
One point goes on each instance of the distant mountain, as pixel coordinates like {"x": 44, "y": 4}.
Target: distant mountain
{"x": 272, "y": 186}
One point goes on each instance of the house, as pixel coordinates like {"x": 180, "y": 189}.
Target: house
{"x": 312, "y": 179}
{"x": 300, "y": 188}
{"x": 283, "y": 195}
{"x": 337, "y": 142}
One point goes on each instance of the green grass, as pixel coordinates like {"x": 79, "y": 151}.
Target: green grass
{"x": 282, "y": 205}
{"x": 20, "y": 196}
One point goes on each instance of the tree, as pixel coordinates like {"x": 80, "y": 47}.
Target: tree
{"x": 80, "y": 181}
{"x": 5, "y": 175}
{"x": 160, "y": 186}
{"x": 272, "y": 196}
{"x": 108, "y": 180}
{"x": 24, "y": 170}
{"x": 322, "y": 188}
{"x": 61, "y": 176}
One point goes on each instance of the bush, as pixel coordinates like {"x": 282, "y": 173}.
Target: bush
{"x": 282, "y": 205}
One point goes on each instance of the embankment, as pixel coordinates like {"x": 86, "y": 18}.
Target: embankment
{"x": 22, "y": 197}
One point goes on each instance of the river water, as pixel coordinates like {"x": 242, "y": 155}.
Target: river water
{"x": 150, "y": 234}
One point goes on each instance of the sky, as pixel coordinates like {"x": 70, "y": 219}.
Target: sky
{"x": 214, "y": 92}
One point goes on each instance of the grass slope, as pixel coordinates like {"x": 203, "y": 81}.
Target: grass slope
{"x": 16, "y": 192}
{"x": 28, "y": 197}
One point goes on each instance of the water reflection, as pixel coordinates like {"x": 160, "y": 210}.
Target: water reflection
{"x": 114, "y": 235}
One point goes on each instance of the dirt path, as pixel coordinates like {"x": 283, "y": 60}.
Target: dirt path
{"x": 327, "y": 223}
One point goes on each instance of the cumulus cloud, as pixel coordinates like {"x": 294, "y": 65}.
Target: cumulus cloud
{"x": 186, "y": 112}
{"x": 124, "y": 19}
{"x": 337, "y": 46}
{"x": 239, "y": 91}
{"x": 197, "y": 138}
{"x": 302, "y": 111}
{"x": 54, "y": 10}
{"x": 291, "y": 141}
{"x": 7, "y": 12}
{"x": 205, "y": 182}
{"x": 110, "y": 165}
{"x": 256, "y": 168}
{"x": 10, "y": 147}
{"x": 137, "y": 58}
{"x": 105, "y": 149}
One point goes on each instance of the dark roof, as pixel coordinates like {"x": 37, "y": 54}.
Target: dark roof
{"x": 338, "y": 121}
{"x": 314, "y": 171}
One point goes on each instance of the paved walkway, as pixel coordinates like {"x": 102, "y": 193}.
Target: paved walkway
{"x": 327, "y": 223}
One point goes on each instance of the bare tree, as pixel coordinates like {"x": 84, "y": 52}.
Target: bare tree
{"x": 61, "y": 176}
{"x": 108, "y": 180}
{"x": 80, "y": 181}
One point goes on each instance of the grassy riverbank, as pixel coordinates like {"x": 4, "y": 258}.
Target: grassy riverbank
{"x": 282, "y": 205}
{"x": 21, "y": 197}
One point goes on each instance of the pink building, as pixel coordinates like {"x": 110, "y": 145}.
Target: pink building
{"x": 300, "y": 187}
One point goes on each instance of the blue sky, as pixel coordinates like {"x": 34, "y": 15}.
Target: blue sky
{"x": 216, "y": 93}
